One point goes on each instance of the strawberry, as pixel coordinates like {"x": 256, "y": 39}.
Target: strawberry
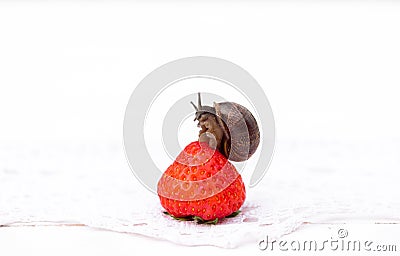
{"x": 201, "y": 183}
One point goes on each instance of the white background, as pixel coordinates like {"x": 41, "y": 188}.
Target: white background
{"x": 329, "y": 69}
{"x": 67, "y": 69}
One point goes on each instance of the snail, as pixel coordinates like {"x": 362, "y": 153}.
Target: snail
{"x": 228, "y": 127}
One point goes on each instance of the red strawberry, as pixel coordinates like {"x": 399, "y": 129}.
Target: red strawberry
{"x": 201, "y": 182}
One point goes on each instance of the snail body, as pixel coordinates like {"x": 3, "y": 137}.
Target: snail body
{"x": 228, "y": 127}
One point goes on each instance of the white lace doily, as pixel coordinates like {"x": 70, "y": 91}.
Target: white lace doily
{"x": 92, "y": 185}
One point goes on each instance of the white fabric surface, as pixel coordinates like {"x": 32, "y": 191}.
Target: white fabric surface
{"x": 92, "y": 185}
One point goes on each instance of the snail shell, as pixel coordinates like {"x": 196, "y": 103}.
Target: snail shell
{"x": 229, "y": 127}
{"x": 243, "y": 135}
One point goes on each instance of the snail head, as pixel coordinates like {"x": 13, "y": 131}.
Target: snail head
{"x": 200, "y": 109}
